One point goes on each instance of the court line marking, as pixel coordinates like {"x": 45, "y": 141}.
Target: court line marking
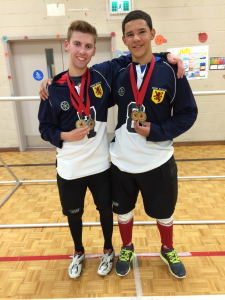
{"x": 53, "y": 164}
{"x": 195, "y": 297}
{"x": 90, "y": 256}
{"x": 137, "y": 278}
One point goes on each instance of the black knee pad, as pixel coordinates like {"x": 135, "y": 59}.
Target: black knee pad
{"x": 74, "y": 215}
{"x": 106, "y": 212}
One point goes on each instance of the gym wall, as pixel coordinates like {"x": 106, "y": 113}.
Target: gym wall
{"x": 179, "y": 22}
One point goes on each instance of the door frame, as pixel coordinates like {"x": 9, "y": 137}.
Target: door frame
{"x": 13, "y": 82}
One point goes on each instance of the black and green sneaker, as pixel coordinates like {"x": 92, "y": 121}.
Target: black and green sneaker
{"x": 176, "y": 267}
{"x": 123, "y": 262}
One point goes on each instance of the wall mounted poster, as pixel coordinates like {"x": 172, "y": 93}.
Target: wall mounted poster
{"x": 195, "y": 61}
{"x": 217, "y": 63}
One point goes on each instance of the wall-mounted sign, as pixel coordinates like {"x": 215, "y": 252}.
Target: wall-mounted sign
{"x": 117, "y": 9}
{"x": 56, "y": 9}
{"x": 38, "y": 75}
{"x": 195, "y": 61}
{"x": 120, "y": 6}
{"x": 217, "y": 63}
{"x": 119, "y": 53}
{"x": 4, "y": 39}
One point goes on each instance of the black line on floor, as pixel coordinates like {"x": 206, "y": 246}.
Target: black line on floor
{"x": 43, "y": 165}
{"x": 200, "y": 159}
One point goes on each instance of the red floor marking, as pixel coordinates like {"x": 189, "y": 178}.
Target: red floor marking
{"x": 60, "y": 257}
{"x": 27, "y": 258}
{"x": 215, "y": 253}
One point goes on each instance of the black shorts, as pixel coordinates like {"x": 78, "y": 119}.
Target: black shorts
{"x": 158, "y": 188}
{"x": 72, "y": 192}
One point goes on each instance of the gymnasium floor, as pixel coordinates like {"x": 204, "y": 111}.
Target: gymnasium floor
{"x": 34, "y": 261}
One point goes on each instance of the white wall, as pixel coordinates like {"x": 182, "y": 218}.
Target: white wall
{"x": 178, "y": 21}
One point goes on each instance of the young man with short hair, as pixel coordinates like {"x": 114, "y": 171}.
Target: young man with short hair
{"x": 74, "y": 120}
{"x": 153, "y": 108}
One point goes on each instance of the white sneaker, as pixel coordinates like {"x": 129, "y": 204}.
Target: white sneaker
{"x": 75, "y": 268}
{"x": 106, "y": 262}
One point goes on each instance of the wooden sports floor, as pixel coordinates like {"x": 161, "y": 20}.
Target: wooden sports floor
{"x": 34, "y": 261}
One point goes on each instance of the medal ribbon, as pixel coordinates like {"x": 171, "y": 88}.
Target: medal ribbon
{"x": 80, "y": 106}
{"x": 139, "y": 96}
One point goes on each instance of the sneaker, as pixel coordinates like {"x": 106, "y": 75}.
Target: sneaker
{"x": 75, "y": 268}
{"x": 106, "y": 264}
{"x": 176, "y": 267}
{"x": 123, "y": 262}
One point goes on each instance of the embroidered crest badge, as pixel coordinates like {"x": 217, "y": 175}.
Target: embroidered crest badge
{"x": 98, "y": 90}
{"x": 158, "y": 96}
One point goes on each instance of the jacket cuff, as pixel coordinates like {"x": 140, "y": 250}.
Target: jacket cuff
{"x": 155, "y": 134}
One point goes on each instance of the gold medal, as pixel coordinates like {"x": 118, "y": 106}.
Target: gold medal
{"x": 142, "y": 117}
{"x": 80, "y": 123}
{"x": 140, "y": 95}
{"x": 91, "y": 123}
{"x": 78, "y": 104}
{"x": 134, "y": 115}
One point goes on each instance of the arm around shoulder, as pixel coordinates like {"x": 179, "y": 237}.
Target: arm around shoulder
{"x": 184, "y": 114}
{"x": 109, "y": 69}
